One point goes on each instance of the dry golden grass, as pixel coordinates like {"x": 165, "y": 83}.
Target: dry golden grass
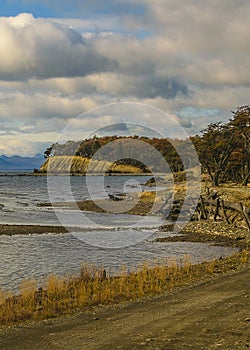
{"x": 96, "y": 286}
{"x": 81, "y": 165}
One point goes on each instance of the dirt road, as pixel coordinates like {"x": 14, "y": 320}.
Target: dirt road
{"x": 211, "y": 315}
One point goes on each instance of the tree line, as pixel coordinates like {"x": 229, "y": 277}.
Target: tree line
{"x": 144, "y": 158}
{"x": 223, "y": 149}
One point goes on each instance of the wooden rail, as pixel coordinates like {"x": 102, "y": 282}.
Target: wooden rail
{"x": 230, "y": 212}
{"x": 210, "y": 206}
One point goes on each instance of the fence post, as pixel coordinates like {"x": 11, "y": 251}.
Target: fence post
{"x": 245, "y": 215}
{"x": 216, "y": 213}
{"x": 203, "y": 211}
{"x": 224, "y": 211}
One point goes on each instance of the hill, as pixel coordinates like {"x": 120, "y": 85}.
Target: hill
{"x": 20, "y": 163}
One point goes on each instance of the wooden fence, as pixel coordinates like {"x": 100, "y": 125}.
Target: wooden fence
{"x": 210, "y": 206}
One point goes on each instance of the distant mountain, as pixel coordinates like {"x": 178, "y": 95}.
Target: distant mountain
{"x": 20, "y": 163}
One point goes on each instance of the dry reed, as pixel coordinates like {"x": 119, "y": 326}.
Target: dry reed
{"x": 94, "y": 286}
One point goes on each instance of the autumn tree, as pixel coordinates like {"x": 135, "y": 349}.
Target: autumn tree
{"x": 214, "y": 148}
{"x": 240, "y": 126}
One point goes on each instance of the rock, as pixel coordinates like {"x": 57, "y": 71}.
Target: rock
{"x": 115, "y": 198}
{"x": 153, "y": 180}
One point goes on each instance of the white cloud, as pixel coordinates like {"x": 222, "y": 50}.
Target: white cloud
{"x": 39, "y": 48}
{"x": 39, "y": 112}
{"x": 202, "y": 25}
{"x": 188, "y": 56}
{"x": 15, "y": 146}
{"x": 90, "y": 25}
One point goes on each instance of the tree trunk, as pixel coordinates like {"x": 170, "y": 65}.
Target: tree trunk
{"x": 216, "y": 178}
{"x": 245, "y": 181}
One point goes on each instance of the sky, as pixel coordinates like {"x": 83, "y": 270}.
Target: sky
{"x": 63, "y": 58}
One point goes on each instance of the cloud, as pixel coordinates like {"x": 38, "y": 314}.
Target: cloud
{"x": 216, "y": 24}
{"x": 190, "y": 59}
{"x": 88, "y": 26}
{"x": 14, "y": 146}
{"x": 40, "y": 112}
{"x": 42, "y": 49}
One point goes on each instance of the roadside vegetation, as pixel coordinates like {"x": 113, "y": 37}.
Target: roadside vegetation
{"x": 93, "y": 286}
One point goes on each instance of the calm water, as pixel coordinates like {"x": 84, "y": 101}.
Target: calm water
{"x": 36, "y": 256}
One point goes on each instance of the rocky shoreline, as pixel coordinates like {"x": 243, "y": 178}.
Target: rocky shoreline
{"x": 217, "y": 233}
{"x": 203, "y": 232}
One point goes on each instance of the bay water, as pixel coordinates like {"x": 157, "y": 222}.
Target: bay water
{"x": 37, "y": 256}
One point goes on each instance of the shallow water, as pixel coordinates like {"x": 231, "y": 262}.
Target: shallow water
{"x": 111, "y": 240}
{"x": 36, "y": 256}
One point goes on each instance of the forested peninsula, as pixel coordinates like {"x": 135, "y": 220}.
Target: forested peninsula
{"x": 223, "y": 150}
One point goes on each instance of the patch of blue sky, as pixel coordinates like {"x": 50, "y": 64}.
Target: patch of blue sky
{"x": 13, "y": 8}
{"x": 79, "y": 9}
{"x": 70, "y": 8}
{"x": 94, "y": 11}
{"x": 194, "y": 112}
